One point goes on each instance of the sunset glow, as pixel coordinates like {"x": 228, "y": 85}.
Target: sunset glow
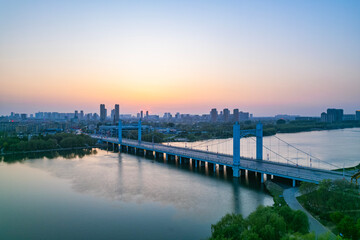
{"x": 266, "y": 58}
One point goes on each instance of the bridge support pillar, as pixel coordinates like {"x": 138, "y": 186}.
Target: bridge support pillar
{"x": 294, "y": 183}
{"x": 236, "y": 172}
{"x": 180, "y": 160}
{"x": 196, "y": 163}
{"x": 236, "y": 144}
{"x": 139, "y": 131}
{"x": 259, "y": 141}
{"x": 120, "y": 131}
{"x": 262, "y": 177}
{"x": 214, "y": 166}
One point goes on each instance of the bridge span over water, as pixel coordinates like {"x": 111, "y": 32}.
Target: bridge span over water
{"x": 238, "y": 165}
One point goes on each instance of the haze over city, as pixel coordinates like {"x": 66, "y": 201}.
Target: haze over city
{"x": 267, "y": 58}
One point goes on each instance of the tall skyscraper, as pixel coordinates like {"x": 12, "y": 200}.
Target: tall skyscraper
{"x": 226, "y": 113}
{"x": 112, "y": 115}
{"x": 141, "y": 114}
{"x": 81, "y": 115}
{"x": 117, "y": 113}
{"x": 213, "y": 115}
{"x": 243, "y": 116}
{"x": 236, "y": 115}
{"x": 102, "y": 112}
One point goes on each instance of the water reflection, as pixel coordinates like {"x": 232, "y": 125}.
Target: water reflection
{"x": 66, "y": 154}
{"x": 129, "y": 178}
{"x": 147, "y": 192}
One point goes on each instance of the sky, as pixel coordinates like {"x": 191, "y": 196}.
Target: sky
{"x": 264, "y": 57}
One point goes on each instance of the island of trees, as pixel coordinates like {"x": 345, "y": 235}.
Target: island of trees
{"x": 35, "y": 143}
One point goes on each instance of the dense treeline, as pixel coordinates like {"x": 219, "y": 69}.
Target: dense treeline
{"x": 337, "y": 203}
{"x": 59, "y": 140}
{"x": 301, "y": 126}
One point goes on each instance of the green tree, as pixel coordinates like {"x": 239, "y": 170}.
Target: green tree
{"x": 300, "y": 222}
{"x": 306, "y": 188}
{"x": 348, "y": 228}
{"x": 266, "y": 223}
{"x": 229, "y": 227}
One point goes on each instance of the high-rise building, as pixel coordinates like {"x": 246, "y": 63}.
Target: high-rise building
{"x": 167, "y": 115}
{"x": 112, "y": 115}
{"x": 81, "y": 115}
{"x": 226, "y": 114}
{"x": 357, "y": 115}
{"x": 243, "y": 116}
{"x": 102, "y": 112}
{"x": 236, "y": 115}
{"x": 117, "y": 113}
{"x": 213, "y": 115}
{"x": 147, "y": 114}
{"x": 141, "y": 114}
{"x": 323, "y": 117}
{"x": 335, "y": 115}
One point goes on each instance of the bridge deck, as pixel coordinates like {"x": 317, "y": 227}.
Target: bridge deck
{"x": 262, "y": 166}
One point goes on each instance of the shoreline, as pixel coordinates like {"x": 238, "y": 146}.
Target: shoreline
{"x": 47, "y": 150}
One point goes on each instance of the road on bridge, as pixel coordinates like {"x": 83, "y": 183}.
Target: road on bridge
{"x": 289, "y": 171}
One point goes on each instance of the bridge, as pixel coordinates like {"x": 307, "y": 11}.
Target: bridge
{"x": 238, "y": 165}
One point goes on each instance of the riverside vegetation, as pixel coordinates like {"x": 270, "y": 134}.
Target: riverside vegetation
{"x": 336, "y": 204}
{"x": 56, "y": 141}
{"x": 269, "y": 223}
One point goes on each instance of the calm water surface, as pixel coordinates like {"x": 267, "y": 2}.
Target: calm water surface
{"x": 111, "y": 195}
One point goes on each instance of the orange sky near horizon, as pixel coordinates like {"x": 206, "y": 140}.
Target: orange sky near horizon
{"x": 258, "y": 58}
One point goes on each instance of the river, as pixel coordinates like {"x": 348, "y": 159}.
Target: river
{"x": 106, "y": 195}
{"x": 321, "y": 149}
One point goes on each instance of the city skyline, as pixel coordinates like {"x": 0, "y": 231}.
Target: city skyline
{"x": 265, "y": 58}
{"x": 226, "y": 114}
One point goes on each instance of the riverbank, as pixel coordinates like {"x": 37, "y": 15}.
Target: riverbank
{"x": 287, "y": 196}
{"x": 45, "y": 143}
{"x": 47, "y": 150}
{"x": 336, "y": 204}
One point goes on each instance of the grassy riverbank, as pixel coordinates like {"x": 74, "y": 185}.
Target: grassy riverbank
{"x": 355, "y": 168}
{"x": 336, "y": 204}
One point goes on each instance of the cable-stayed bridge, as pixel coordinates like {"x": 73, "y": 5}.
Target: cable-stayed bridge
{"x": 288, "y": 169}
